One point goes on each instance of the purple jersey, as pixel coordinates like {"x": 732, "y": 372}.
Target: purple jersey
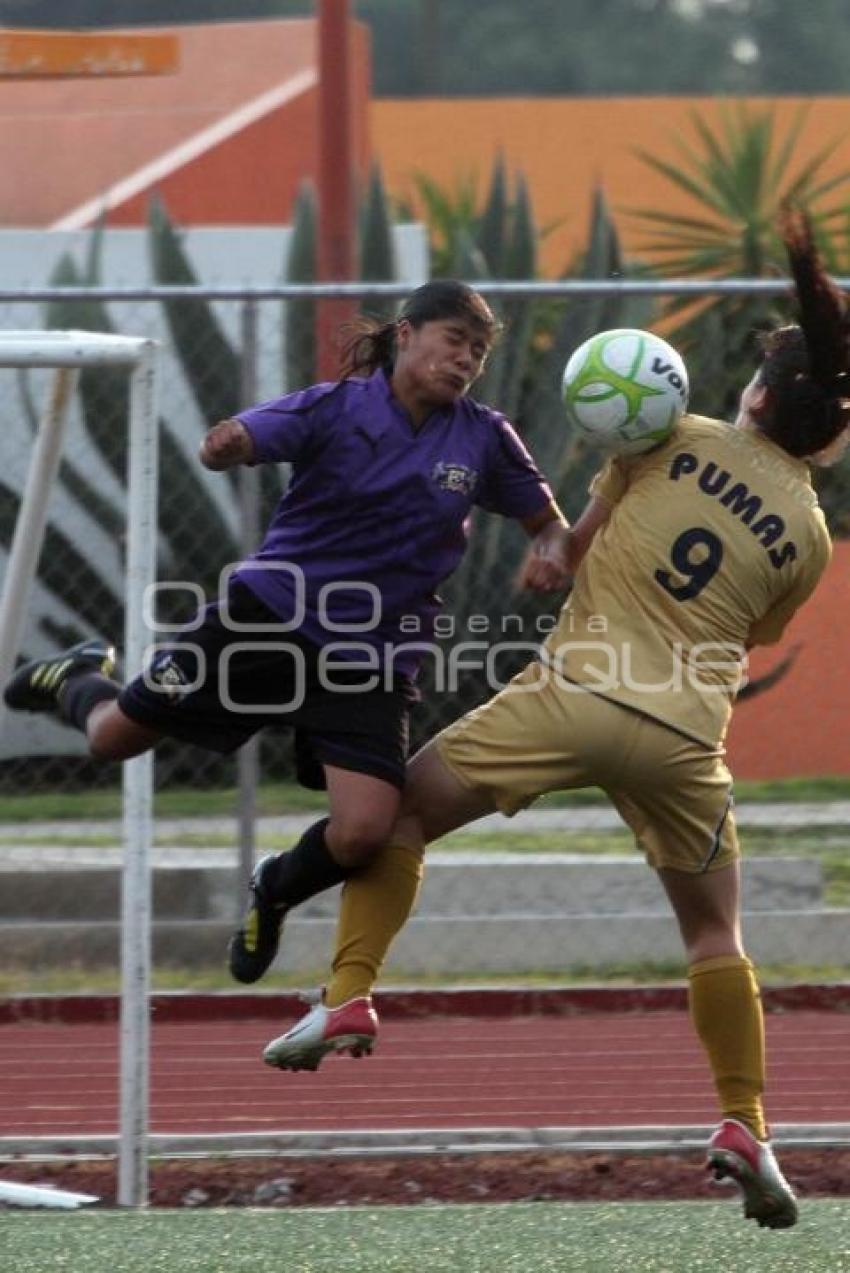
{"x": 376, "y": 513}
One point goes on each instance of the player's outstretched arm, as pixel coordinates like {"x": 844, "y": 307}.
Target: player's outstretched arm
{"x": 227, "y": 444}
{"x": 594, "y": 516}
{"x": 544, "y": 568}
{"x": 557, "y": 550}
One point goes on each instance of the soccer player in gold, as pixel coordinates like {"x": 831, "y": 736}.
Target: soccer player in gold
{"x": 684, "y": 557}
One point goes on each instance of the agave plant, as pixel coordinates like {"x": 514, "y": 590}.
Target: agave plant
{"x": 299, "y": 316}
{"x": 562, "y": 455}
{"x": 189, "y": 521}
{"x": 494, "y": 221}
{"x": 736, "y": 177}
{"x": 376, "y": 248}
{"x": 377, "y": 263}
{"x": 452, "y": 220}
{"x": 211, "y": 365}
{"x": 482, "y": 585}
{"x": 507, "y": 232}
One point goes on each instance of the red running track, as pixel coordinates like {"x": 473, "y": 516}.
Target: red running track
{"x": 596, "y": 1069}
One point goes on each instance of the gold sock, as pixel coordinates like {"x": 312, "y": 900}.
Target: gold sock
{"x": 375, "y": 904}
{"x": 725, "y": 1007}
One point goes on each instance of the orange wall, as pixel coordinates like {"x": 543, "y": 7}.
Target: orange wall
{"x": 801, "y": 727}
{"x": 224, "y": 186}
{"x": 253, "y": 177}
{"x": 566, "y": 146}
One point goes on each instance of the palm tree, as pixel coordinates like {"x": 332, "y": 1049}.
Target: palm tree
{"x": 737, "y": 177}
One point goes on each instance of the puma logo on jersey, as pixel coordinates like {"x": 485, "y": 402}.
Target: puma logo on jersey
{"x": 741, "y": 502}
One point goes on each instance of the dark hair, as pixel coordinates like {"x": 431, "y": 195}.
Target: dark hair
{"x": 805, "y": 368}
{"x": 373, "y": 344}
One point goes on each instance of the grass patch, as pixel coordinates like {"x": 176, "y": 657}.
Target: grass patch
{"x": 287, "y": 797}
{"x": 836, "y": 872}
{"x": 273, "y": 799}
{"x": 547, "y": 1237}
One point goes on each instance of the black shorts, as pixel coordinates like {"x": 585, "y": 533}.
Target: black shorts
{"x": 202, "y": 689}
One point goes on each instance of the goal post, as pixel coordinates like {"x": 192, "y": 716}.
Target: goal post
{"x": 67, "y": 352}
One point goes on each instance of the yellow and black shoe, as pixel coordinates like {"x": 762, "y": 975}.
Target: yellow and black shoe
{"x": 253, "y": 946}
{"x": 36, "y": 686}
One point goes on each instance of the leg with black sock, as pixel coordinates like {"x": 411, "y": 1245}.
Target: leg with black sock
{"x": 303, "y": 871}
{"x": 281, "y": 881}
{"x": 80, "y": 695}
{"x": 77, "y": 688}
{"x": 43, "y": 685}
{"x": 363, "y": 810}
{"x": 90, "y": 703}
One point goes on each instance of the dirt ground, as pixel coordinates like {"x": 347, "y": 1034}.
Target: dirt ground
{"x": 288, "y": 1182}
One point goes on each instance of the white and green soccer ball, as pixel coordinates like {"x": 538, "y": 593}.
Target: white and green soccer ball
{"x": 624, "y": 390}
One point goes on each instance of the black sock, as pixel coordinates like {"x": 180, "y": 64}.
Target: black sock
{"x": 81, "y": 693}
{"x": 307, "y": 869}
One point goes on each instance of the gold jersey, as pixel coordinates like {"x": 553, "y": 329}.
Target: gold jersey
{"x": 714, "y": 540}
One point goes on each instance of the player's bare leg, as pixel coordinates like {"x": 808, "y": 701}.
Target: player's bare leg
{"x": 436, "y": 801}
{"x": 112, "y": 735}
{"x": 363, "y": 811}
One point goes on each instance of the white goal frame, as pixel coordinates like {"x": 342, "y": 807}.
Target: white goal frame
{"x": 68, "y": 352}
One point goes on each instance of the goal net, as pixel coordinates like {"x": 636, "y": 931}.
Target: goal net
{"x": 67, "y": 352}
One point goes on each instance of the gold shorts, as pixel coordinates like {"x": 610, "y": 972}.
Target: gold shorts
{"x": 535, "y": 736}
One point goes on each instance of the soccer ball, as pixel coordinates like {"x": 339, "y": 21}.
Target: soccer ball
{"x": 624, "y": 390}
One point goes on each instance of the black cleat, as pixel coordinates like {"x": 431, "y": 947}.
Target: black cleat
{"x": 253, "y": 946}
{"x": 36, "y": 686}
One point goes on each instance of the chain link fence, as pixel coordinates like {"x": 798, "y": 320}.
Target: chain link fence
{"x": 222, "y": 349}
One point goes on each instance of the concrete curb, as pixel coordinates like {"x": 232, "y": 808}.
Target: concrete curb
{"x": 436, "y": 1140}
{"x": 410, "y": 1004}
{"x": 455, "y": 948}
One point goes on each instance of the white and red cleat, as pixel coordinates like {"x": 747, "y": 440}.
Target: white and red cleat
{"x": 352, "y": 1027}
{"x": 735, "y": 1154}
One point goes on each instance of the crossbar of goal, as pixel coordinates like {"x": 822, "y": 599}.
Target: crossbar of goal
{"x": 68, "y": 352}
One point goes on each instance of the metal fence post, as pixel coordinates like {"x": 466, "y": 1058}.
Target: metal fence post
{"x": 248, "y": 759}
{"x": 137, "y": 890}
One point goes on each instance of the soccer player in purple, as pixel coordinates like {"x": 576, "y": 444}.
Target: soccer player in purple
{"x": 313, "y": 630}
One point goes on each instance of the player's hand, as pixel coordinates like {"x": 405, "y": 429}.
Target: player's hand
{"x": 545, "y": 567}
{"x": 227, "y": 444}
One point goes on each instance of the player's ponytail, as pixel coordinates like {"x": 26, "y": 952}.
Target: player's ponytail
{"x": 370, "y": 346}
{"x": 806, "y": 368}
